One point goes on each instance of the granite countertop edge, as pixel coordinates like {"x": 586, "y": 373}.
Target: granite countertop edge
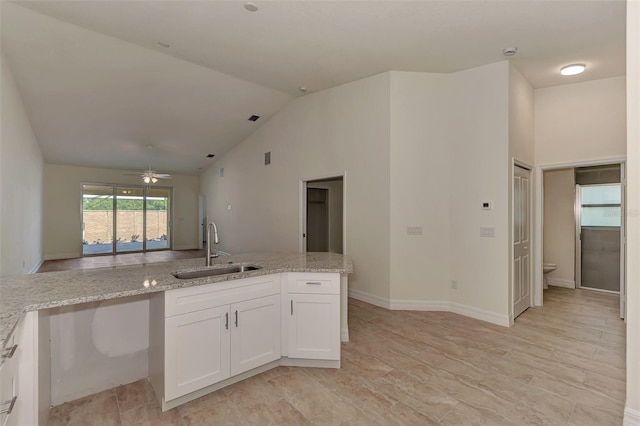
{"x": 33, "y": 292}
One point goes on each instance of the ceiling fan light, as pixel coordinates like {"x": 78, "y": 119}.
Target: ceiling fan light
{"x": 146, "y": 179}
{"x": 154, "y": 180}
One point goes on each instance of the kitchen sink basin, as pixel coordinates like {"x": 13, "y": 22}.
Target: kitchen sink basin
{"x": 202, "y": 273}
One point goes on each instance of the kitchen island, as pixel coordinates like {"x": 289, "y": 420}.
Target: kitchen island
{"x": 287, "y": 280}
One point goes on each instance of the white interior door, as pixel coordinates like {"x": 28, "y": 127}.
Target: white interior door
{"x": 521, "y": 240}
{"x": 623, "y": 243}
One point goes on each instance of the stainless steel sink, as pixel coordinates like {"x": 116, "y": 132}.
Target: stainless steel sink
{"x": 202, "y": 273}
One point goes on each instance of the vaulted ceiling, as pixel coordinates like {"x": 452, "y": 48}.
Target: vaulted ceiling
{"x": 101, "y": 80}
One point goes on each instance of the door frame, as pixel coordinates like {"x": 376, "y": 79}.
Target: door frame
{"x": 302, "y": 208}
{"x": 539, "y": 219}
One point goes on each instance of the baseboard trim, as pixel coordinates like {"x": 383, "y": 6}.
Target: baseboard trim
{"x": 428, "y": 305}
{"x": 369, "y": 298}
{"x": 559, "y": 282}
{"x": 631, "y": 417}
{"x": 60, "y": 256}
{"x": 36, "y": 267}
{"x": 480, "y": 314}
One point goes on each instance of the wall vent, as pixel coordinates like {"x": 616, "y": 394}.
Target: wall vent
{"x": 267, "y": 158}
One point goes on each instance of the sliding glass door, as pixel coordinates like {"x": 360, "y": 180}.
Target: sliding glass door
{"x": 123, "y": 219}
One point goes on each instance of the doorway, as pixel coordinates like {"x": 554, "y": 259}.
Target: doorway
{"x": 563, "y": 207}
{"x": 322, "y": 214}
{"x": 125, "y": 219}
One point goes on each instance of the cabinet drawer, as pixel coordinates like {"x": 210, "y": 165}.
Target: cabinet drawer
{"x": 316, "y": 283}
{"x": 191, "y": 299}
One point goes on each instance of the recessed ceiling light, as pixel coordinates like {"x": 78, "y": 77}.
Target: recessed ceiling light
{"x": 163, "y": 44}
{"x": 210, "y": 155}
{"x": 254, "y": 118}
{"x": 251, "y": 6}
{"x": 572, "y": 69}
{"x": 302, "y": 89}
{"x": 509, "y": 51}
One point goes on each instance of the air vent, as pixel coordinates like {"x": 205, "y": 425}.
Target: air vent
{"x": 210, "y": 155}
{"x": 254, "y": 118}
{"x": 267, "y": 158}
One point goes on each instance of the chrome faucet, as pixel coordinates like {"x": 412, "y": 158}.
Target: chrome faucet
{"x": 216, "y": 240}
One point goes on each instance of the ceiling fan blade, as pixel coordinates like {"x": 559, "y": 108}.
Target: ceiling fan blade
{"x": 162, "y": 176}
{"x": 133, "y": 174}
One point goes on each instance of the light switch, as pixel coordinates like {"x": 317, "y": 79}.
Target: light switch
{"x": 487, "y": 232}
{"x": 414, "y": 230}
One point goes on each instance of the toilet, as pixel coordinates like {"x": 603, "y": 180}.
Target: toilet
{"x": 546, "y": 268}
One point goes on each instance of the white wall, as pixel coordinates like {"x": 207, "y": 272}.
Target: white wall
{"x": 521, "y": 118}
{"x": 632, "y": 409}
{"x": 21, "y": 167}
{"x": 480, "y": 170}
{"x": 62, "y": 207}
{"x": 580, "y": 122}
{"x": 559, "y": 224}
{"x": 420, "y": 187}
{"x": 345, "y": 128}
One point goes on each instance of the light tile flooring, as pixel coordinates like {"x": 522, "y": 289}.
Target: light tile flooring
{"x": 561, "y": 364}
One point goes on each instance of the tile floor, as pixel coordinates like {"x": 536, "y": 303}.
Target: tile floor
{"x": 561, "y": 364}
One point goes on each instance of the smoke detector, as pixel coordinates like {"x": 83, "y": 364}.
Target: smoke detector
{"x": 509, "y": 51}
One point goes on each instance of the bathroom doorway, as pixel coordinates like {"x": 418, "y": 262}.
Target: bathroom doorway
{"x": 322, "y": 214}
{"x": 582, "y": 228}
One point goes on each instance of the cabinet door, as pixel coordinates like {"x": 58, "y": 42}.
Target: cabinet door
{"x": 255, "y": 336}
{"x": 314, "y": 326}
{"x": 196, "y": 350}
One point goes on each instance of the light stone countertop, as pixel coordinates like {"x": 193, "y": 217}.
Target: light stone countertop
{"x": 22, "y": 293}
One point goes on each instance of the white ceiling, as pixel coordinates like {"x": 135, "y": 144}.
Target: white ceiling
{"x": 98, "y": 88}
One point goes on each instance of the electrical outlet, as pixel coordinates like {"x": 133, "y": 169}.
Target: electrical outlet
{"x": 414, "y": 230}
{"x": 454, "y": 284}
{"x": 487, "y": 232}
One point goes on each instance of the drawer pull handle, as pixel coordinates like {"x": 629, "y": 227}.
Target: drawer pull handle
{"x": 10, "y": 351}
{"x": 11, "y": 403}
{"x": 226, "y": 322}
{"x": 236, "y": 318}
{"x": 291, "y": 306}
{"x": 314, "y": 283}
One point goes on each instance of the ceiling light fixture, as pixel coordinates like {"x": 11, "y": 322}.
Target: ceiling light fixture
{"x": 573, "y": 69}
{"x": 302, "y": 89}
{"x": 509, "y": 51}
{"x": 163, "y": 44}
{"x": 251, "y": 6}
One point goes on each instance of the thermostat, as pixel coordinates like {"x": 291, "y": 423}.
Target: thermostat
{"x": 487, "y": 205}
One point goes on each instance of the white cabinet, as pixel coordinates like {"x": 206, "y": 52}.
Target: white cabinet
{"x": 197, "y": 350}
{"x": 206, "y": 334}
{"x": 23, "y": 400}
{"x": 255, "y": 333}
{"x": 314, "y": 316}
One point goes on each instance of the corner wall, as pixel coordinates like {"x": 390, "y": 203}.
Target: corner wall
{"x": 21, "y": 166}
{"x": 343, "y": 129}
{"x": 479, "y": 170}
{"x": 420, "y": 189}
{"x": 62, "y": 207}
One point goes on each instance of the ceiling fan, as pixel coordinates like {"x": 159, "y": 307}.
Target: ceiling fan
{"x": 149, "y": 175}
